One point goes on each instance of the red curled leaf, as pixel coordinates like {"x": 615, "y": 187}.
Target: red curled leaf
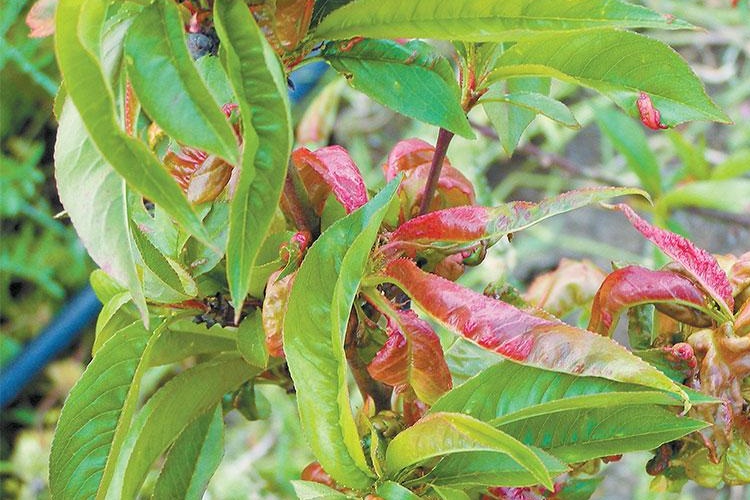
{"x": 41, "y": 18}
{"x": 634, "y": 285}
{"x": 698, "y": 263}
{"x": 571, "y": 286}
{"x": 274, "y": 311}
{"x": 412, "y": 356}
{"x": 413, "y": 157}
{"x": 462, "y": 226}
{"x": 650, "y": 116}
{"x": 742, "y": 319}
{"x": 534, "y": 341}
{"x": 330, "y": 170}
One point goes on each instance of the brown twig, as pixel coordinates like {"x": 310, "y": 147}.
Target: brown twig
{"x": 441, "y": 148}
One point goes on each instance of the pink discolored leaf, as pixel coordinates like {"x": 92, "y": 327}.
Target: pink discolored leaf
{"x": 462, "y": 226}
{"x": 634, "y": 285}
{"x": 330, "y": 170}
{"x": 532, "y": 340}
{"x": 698, "y": 263}
{"x": 274, "y": 311}
{"x": 41, "y": 18}
{"x": 572, "y": 285}
{"x": 650, "y": 116}
{"x": 412, "y": 357}
{"x": 742, "y": 319}
{"x": 412, "y": 158}
{"x": 739, "y": 276}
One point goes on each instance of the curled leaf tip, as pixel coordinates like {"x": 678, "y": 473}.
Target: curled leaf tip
{"x": 650, "y": 116}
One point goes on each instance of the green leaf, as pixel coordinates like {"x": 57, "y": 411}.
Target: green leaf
{"x": 308, "y": 490}
{"x": 620, "y": 65}
{"x": 509, "y": 391}
{"x": 163, "y": 268}
{"x": 317, "y": 314}
{"x": 96, "y": 416}
{"x": 446, "y": 493}
{"x": 539, "y": 104}
{"x": 175, "y": 405}
{"x": 440, "y": 434}
{"x": 394, "y": 491}
{"x": 93, "y": 195}
{"x": 168, "y": 85}
{"x": 484, "y": 468}
{"x": 251, "y": 340}
{"x": 259, "y": 83}
{"x": 737, "y": 165}
{"x": 412, "y": 79}
{"x": 182, "y": 339}
{"x": 193, "y": 459}
{"x": 94, "y": 99}
{"x": 730, "y": 195}
{"x": 486, "y": 21}
{"x": 629, "y": 139}
{"x": 599, "y": 432}
{"x": 114, "y": 316}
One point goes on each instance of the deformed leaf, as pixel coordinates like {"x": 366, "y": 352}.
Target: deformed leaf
{"x": 532, "y": 340}
{"x": 465, "y": 226}
{"x": 698, "y": 263}
{"x": 411, "y": 78}
{"x": 570, "y": 286}
{"x": 634, "y": 285}
{"x": 330, "y": 170}
{"x": 412, "y": 356}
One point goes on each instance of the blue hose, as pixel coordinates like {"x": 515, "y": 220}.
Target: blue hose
{"x": 84, "y": 307}
{"x": 57, "y": 336}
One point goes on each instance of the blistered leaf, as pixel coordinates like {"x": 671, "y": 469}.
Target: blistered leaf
{"x": 515, "y": 334}
{"x": 412, "y": 356}
{"x": 634, "y": 285}
{"x": 330, "y": 170}
{"x": 572, "y": 285}
{"x": 465, "y": 226}
{"x": 274, "y": 311}
{"x": 412, "y": 159}
{"x": 487, "y": 21}
{"x": 292, "y": 20}
{"x": 41, "y": 18}
{"x": 698, "y": 263}
{"x": 411, "y": 78}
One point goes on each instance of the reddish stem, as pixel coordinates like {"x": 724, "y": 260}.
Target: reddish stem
{"x": 293, "y": 204}
{"x": 441, "y": 148}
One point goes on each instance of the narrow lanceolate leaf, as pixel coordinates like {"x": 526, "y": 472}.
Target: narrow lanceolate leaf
{"x": 510, "y": 122}
{"x": 538, "y": 104}
{"x": 260, "y": 86}
{"x": 463, "y": 226}
{"x": 330, "y": 170}
{"x": 394, "y": 491}
{"x": 412, "y": 357}
{"x": 168, "y": 85}
{"x": 412, "y": 79}
{"x": 309, "y": 490}
{"x": 487, "y": 21}
{"x": 92, "y": 96}
{"x": 192, "y": 459}
{"x": 601, "y": 432}
{"x": 96, "y": 416}
{"x": 509, "y": 391}
{"x": 634, "y": 285}
{"x": 175, "y": 405}
{"x": 93, "y": 195}
{"x": 316, "y": 319}
{"x": 518, "y": 335}
{"x": 447, "y": 433}
{"x": 620, "y": 65}
{"x": 698, "y": 263}
{"x": 727, "y": 195}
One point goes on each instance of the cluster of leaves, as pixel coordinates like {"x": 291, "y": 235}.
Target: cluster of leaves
{"x": 176, "y": 168}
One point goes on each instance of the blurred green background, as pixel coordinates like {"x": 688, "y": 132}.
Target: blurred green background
{"x": 701, "y": 169}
